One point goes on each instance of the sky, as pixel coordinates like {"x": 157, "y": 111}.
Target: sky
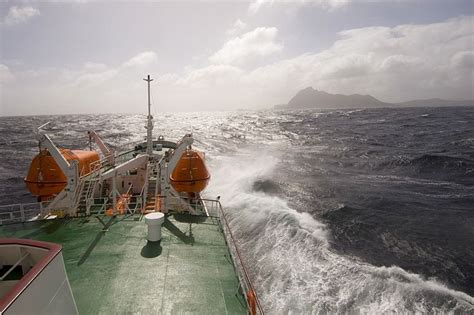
{"x": 87, "y": 56}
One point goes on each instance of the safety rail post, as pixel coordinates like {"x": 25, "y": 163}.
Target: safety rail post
{"x": 89, "y": 196}
{"x": 88, "y": 203}
{"x": 104, "y": 205}
{"x": 157, "y": 187}
{"x": 43, "y": 208}
{"x": 129, "y": 196}
{"x": 22, "y": 213}
{"x": 139, "y": 203}
{"x": 77, "y": 192}
{"x": 145, "y": 186}
{"x": 142, "y": 192}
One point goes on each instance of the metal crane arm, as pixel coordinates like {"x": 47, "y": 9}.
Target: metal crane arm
{"x": 136, "y": 162}
{"x": 108, "y": 153}
{"x": 46, "y": 141}
{"x": 181, "y": 147}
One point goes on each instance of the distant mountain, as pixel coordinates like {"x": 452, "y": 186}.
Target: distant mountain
{"x": 311, "y": 98}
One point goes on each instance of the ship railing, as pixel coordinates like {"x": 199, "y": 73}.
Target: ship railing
{"x": 142, "y": 194}
{"x": 124, "y": 157}
{"x": 179, "y": 205}
{"x": 134, "y": 205}
{"x": 21, "y": 212}
{"x": 140, "y": 146}
{"x": 89, "y": 193}
{"x": 80, "y": 186}
{"x": 102, "y": 202}
{"x": 78, "y": 192}
{"x": 81, "y": 173}
{"x": 197, "y": 206}
{"x": 97, "y": 166}
{"x": 248, "y": 289}
{"x": 213, "y": 208}
{"x": 127, "y": 201}
{"x": 129, "y": 146}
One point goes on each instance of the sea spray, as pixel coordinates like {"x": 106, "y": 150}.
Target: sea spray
{"x": 292, "y": 263}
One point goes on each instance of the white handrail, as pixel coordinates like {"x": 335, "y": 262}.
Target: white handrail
{"x": 78, "y": 192}
{"x": 21, "y": 212}
{"x": 89, "y": 193}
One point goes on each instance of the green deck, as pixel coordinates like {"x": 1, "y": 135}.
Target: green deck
{"x": 118, "y": 271}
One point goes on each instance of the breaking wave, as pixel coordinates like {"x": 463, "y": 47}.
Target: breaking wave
{"x": 294, "y": 268}
{"x": 266, "y": 186}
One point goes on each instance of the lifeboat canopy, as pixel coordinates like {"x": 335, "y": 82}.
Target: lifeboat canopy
{"x": 46, "y": 179}
{"x": 190, "y": 174}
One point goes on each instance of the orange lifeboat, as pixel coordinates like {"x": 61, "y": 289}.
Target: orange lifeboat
{"x": 45, "y": 178}
{"x": 190, "y": 174}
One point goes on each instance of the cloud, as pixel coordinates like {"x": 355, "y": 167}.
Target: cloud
{"x": 237, "y": 28}
{"x": 211, "y": 76}
{"x": 397, "y": 63}
{"x": 96, "y": 74}
{"x": 95, "y": 78}
{"x": 143, "y": 59}
{"x": 5, "y": 74}
{"x": 257, "y": 43}
{"x": 463, "y": 60}
{"x": 391, "y": 63}
{"x": 18, "y": 15}
{"x": 94, "y": 66}
{"x": 257, "y": 5}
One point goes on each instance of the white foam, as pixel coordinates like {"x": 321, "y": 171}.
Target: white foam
{"x": 292, "y": 264}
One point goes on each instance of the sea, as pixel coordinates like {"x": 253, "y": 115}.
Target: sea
{"x": 335, "y": 211}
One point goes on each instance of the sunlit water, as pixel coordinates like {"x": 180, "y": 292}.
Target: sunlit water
{"x": 335, "y": 211}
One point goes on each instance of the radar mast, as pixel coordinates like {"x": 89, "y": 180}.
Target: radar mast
{"x": 149, "y": 126}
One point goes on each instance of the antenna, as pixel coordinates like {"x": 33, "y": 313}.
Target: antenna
{"x": 149, "y": 101}
{"x": 149, "y": 126}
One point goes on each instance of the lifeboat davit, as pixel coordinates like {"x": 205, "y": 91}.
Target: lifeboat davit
{"x": 45, "y": 179}
{"x": 190, "y": 174}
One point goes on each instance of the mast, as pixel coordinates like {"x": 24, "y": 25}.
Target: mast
{"x": 149, "y": 126}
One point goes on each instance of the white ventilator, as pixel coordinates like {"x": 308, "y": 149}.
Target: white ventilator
{"x": 154, "y": 221}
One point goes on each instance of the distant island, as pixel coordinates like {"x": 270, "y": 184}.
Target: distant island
{"x": 311, "y": 98}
